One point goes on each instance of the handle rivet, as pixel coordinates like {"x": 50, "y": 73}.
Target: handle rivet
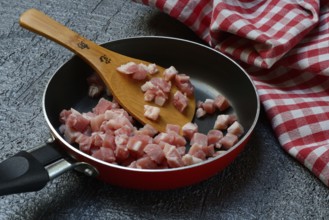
{"x": 88, "y": 172}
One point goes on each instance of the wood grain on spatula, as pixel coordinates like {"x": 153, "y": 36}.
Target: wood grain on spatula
{"x": 124, "y": 89}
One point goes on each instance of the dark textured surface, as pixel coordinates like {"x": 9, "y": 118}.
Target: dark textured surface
{"x": 263, "y": 183}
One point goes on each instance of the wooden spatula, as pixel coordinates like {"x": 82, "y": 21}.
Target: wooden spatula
{"x": 125, "y": 90}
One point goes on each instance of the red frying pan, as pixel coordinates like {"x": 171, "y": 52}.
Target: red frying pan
{"x": 212, "y": 73}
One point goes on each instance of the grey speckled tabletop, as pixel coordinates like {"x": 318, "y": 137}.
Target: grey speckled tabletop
{"x": 262, "y": 183}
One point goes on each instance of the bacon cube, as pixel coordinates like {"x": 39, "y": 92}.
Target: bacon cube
{"x": 170, "y": 73}
{"x": 173, "y": 157}
{"x": 180, "y": 101}
{"x": 209, "y": 106}
{"x": 223, "y": 121}
{"x": 155, "y": 152}
{"x": 221, "y": 103}
{"x": 152, "y": 68}
{"x": 128, "y": 68}
{"x": 189, "y": 129}
{"x": 190, "y": 159}
{"x": 228, "y": 141}
{"x": 105, "y": 154}
{"x": 199, "y": 139}
{"x": 200, "y": 112}
{"x": 151, "y": 112}
{"x": 146, "y": 163}
{"x": 172, "y": 128}
{"x": 236, "y": 128}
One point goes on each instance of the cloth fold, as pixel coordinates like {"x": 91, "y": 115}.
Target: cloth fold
{"x": 284, "y": 46}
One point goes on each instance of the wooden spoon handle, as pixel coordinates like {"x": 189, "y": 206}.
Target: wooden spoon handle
{"x": 92, "y": 53}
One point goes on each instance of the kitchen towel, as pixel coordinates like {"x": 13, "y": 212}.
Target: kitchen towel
{"x": 284, "y": 46}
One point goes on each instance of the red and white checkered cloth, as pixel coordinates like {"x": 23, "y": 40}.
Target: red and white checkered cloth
{"x": 284, "y": 46}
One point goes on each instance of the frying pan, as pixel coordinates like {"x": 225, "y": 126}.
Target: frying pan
{"x": 212, "y": 73}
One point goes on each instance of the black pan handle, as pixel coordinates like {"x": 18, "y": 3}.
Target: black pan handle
{"x": 31, "y": 171}
{"x": 26, "y": 171}
{"x": 22, "y": 173}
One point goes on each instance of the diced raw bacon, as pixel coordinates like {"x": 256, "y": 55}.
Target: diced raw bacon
{"x": 109, "y": 141}
{"x": 137, "y": 71}
{"x": 219, "y": 152}
{"x": 162, "y": 84}
{"x": 164, "y": 137}
{"x": 147, "y": 130}
{"x": 171, "y": 138}
{"x": 228, "y": 141}
{"x": 170, "y": 73}
{"x": 160, "y": 143}
{"x": 236, "y": 129}
{"x": 141, "y": 72}
{"x": 146, "y": 163}
{"x": 221, "y": 103}
{"x": 209, "y": 106}
{"x": 62, "y": 128}
{"x": 96, "y": 122}
{"x": 232, "y": 119}
{"x": 148, "y": 85}
{"x": 95, "y": 90}
{"x": 105, "y": 154}
{"x": 149, "y": 95}
{"x": 223, "y": 121}
{"x": 172, "y": 128}
{"x": 151, "y": 112}
{"x": 128, "y": 68}
{"x": 84, "y": 142}
{"x": 121, "y": 140}
{"x": 160, "y": 98}
{"x": 132, "y": 164}
{"x": 76, "y": 121}
{"x": 199, "y": 139}
{"x": 70, "y": 135}
{"x": 155, "y": 152}
{"x": 214, "y": 136}
{"x": 125, "y": 130}
{"x": 209, "y": 150}
{"x": 116, "y": 123}
{"x": 103, "y": 105}
{"x": 173, "y": 157}
{"x": 135, "y": 147}
{"x": 117, "y": 113}
{"x": 96, "y": 85}
{"x": 200, "y": 112}
{"x": 184, "y": 84}
{"x": 157, "y": 90}
{"x": 88, "y": 115}
{"x": 97, "y": 139}
{"x": 199, "y": 104}
{"x": 182, "y": 78}
{"x": 180, "y": 101}
{"x": 137, "y": 143}
{"x": 64, "y": 114}
{"x": 121, "y": 153}
{"x": 152, "y": 68}
{"x": 197, "y": 151}
{"x": 178, "y": 140}
{"x": 108, "y": 133}
{"x": 181, "y": 150}
{"x": 189, "y": 159}
{"x": 189, "y": 129}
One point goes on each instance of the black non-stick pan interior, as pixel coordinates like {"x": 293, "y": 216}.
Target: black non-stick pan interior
{"x": 211, "y": 74}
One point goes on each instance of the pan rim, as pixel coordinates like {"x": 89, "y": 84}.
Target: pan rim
{"x": 209, "y": 160}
